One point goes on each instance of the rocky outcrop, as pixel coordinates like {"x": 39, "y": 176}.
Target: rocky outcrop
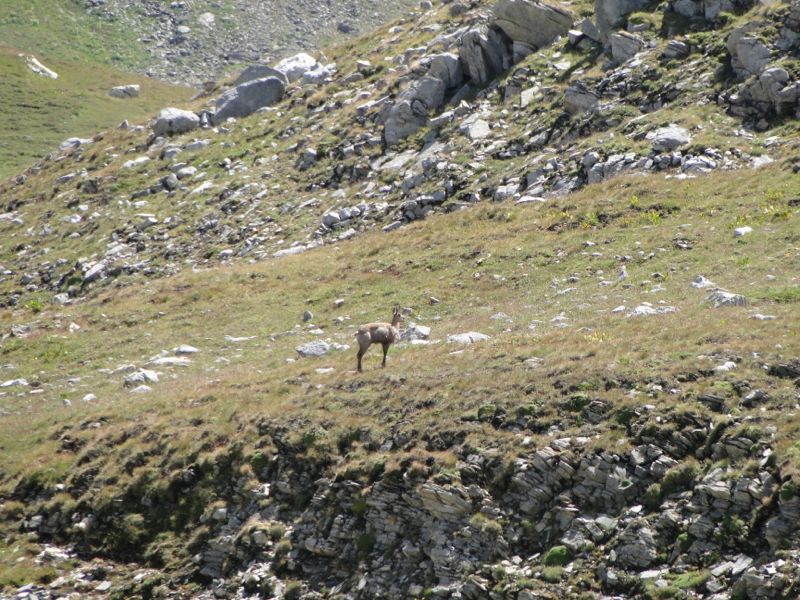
{"x": 447, "y": 68}
{"x": 485, "y": 53}
{"x": 710, "y": 10}
{"x": 610, "y": 14}
{"x": 410, "y": 111}
{"x": 749, "y": 54}
{"x": 667, "y": 139}
{"x": 246, "y": 98}
{"x": 259, "y": 71}
{"x": 531, "y": 23}
{"x": 617, "y": 515}
{"x": 624, "y": 46}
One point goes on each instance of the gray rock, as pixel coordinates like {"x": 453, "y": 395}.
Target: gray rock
{"x": 445, "y": 503}
{"x": 245, "y": 99}
{"x": 676, "y": 49}
{"x": 624, "y": 46}
{"x": 485, "y": 53}
{"x": 315, "y": 348}
{"x": 447, "y": 68}
{"x": 410, "y": 111}
{"x": 140, "y": 376}
{"x": 415, "y": 332}
{"x": 170, "y": 182}
{"x": 723, "y": 298}
{"x": 748, "y": 53}
{"x": 319, "y": 74}
{"x": 296, "y": 66}
{"x": 754, "y": 398}
{"x": 175, "y": 120}
{"x": 752, "y": 55}
{"x": 470, "y": 337}
{"x": 125, "y": 91}
{"x": 578, "y": 99}
{"x": 670, "y": 138}
{"x": 610, "y": 14}
{"x": 477, "y": 129}
{"x": 259, "y": 71}
{"x": 531, "y": 22}
{"x": 307, "y": 159}
{"x": 637, "y": 546}
{"x": 589, "y": 29}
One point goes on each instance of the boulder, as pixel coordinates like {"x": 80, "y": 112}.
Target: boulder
{"x": 531, "y": 22}
{"x": 312, "y": 349}
{"x": 400, "y": 123}
{"x": 447, "y": 68}
{"x": 410, "y": 111}
{"x": 748, "y": 53}
{"x": 175, "y": 120}
{"x": 124, "y": 91}
{"x": 676, "y": 49}
{"x": 773, "y": 91}
{"x": 319, "y": 74}
{"x": 610, "y": 14}
{"x": 475, "y": 129}
{"x": 245, "y": 99}
{"x": 752, "y": 55}
{"x": 709, "y": 10}
{"x": 259, "y": 71}
{"x": 624, "y": 46}
{"x": 296, "y": 66}
{"x": 668, "y": 139}
{"x": 578, "y": 99}
{"x": 485, "y": 53}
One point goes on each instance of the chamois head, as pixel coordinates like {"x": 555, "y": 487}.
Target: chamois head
{"x": 396, "y": 315}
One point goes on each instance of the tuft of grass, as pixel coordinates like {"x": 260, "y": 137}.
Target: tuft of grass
{"x": 784, "y": 295}
{"x": 557, "y": 556}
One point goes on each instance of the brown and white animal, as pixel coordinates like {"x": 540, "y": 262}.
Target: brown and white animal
{"x": 385, "y": 334}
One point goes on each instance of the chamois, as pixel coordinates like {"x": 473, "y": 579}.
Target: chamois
{"x": 385, "y": 334}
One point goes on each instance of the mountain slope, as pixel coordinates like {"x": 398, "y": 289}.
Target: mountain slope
{"x": 40, "y": 112}
{"x": 94, "y": 46}
{"x": 620, "y": 225}
{"x": 562, "y": 364}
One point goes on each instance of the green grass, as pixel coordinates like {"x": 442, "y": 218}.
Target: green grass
{"x": 38, "y": 113}
{"x": 784, "y": 295}
{"x": 62, "y": 30}
{"x": 557, "y": 556}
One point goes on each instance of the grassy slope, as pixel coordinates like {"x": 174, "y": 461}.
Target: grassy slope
{"x": 38, "y": 113}
{"x": 517, "y": 256}
{"x": 89, "y": 55}
{"x": 62, "y": 30}
{"x": 429, "y": 392}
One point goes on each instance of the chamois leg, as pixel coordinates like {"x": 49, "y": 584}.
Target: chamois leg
{"x": 385, "y": 350}
{"x": 360, "y": 354}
